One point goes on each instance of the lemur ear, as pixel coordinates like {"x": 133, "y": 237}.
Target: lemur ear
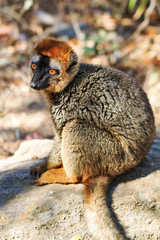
{"x": 73, "y": 61}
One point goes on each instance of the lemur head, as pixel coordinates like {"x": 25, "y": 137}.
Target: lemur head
{"x": 54, "y": 64}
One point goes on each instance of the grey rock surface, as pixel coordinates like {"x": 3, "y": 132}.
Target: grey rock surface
{"x": 55, "y": 212}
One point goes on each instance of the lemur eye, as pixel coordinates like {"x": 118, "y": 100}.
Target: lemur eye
{"x": 51, "y": 71}
{"x": 34, "y": 66}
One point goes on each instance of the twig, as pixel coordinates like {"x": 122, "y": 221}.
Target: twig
{"x": 142, "y": 25}
{"x": 8, "y": 11}
{"x": 147, "y": 14}
{"x": 75, "y": 23}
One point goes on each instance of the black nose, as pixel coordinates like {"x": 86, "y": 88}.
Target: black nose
{"x": 34, "y": 85}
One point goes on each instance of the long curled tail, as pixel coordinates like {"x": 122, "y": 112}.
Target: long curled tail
{"x": 97, "y": 214}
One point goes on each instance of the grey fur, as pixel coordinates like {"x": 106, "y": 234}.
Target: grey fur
{"x": 113, "y": 108}
{"x": 105, "y": 126}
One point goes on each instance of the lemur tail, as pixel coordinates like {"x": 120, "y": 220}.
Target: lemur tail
{"x": 98, "y": 215}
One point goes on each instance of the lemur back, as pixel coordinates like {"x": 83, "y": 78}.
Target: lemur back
{"x": 112, "y": 101}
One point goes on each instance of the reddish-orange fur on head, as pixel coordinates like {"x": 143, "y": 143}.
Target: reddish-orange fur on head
{"x": 54, "y": 49}
{"x": 61, "y": 53}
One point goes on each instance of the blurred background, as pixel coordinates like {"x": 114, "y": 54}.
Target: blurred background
{"x": 122, "y": 34}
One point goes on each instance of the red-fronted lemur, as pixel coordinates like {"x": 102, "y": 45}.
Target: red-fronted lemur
{"x": 104, "y": 126}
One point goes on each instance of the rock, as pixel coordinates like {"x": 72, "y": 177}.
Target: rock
{"x": 34, "y": 149}
{"x": 56, "y": 211}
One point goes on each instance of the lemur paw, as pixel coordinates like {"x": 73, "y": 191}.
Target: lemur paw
{"x": 40, "y": 182}
{"x": 35, "y": 172}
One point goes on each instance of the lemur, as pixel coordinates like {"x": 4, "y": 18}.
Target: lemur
{"x": 104, "y": 127}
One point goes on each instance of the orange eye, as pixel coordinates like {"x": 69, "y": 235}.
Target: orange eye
{"x": 51, "y": 71}
{"x": 34, "y": 66}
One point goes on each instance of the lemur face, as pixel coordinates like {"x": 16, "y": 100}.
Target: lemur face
{"x": 53, "y": 64}
{"x": 45, "y": 71}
